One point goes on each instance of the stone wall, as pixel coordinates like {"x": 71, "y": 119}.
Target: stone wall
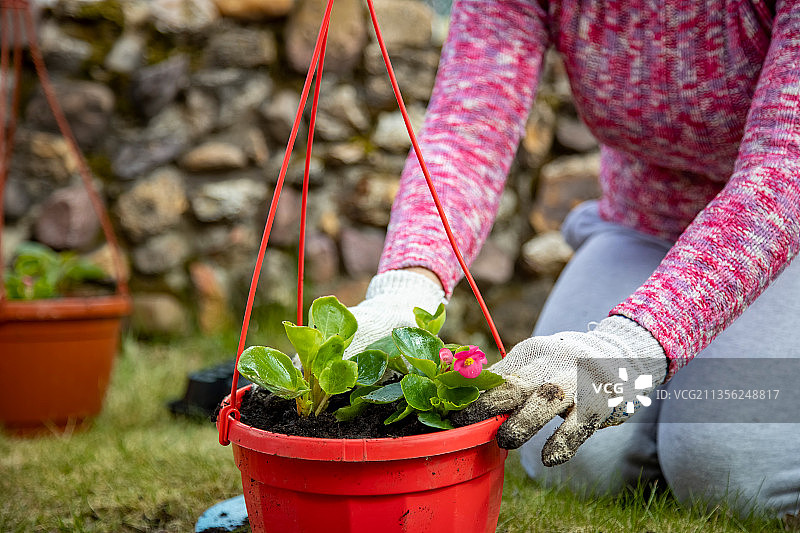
{"x": 183, "y": 109}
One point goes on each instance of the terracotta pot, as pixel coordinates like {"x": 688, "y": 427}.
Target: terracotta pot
{"x": 55, "y": 359}
{"x": 449, "y": 481}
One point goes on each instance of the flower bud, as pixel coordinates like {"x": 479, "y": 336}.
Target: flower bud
{"x": 446, "y": 356}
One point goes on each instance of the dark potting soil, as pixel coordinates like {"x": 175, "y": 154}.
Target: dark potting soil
{"x": 263, "y": 410}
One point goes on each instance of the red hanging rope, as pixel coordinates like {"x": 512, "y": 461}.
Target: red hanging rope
{"x": 429, "y": 181}
{"x": 7, "y": 132}
{"x": 22, "y": 9}
{"x": 83, "y": 167}
{"x": 15, "y": 4}
{"x": 304, "y": 207}
{"x": 231, "y": 411}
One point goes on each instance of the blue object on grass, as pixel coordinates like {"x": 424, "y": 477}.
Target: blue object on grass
{"x": 227, "y": 515}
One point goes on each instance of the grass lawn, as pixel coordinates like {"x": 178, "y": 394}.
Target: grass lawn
{"x": 140, "y": 469}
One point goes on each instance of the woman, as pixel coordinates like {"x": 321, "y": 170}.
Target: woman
{"x": 696, "y": 104}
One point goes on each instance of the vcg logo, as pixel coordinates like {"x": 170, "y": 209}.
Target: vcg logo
{"x": 625, "y": 392}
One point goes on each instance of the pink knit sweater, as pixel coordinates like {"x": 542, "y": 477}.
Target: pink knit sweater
{"x": 697, "y": 106}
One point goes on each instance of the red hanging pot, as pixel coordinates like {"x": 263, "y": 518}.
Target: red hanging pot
{"x": 444, "y": 482}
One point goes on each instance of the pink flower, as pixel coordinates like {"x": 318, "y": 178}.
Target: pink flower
{"x": 445, "y": 356}
{"x": 470, "y": 362}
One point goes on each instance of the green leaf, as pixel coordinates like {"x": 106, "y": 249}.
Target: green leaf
{"x": 435, "y": 325}
{"x": 418, "y": 391}
{"x": 331, "y": 317}
{"x": 357, "y": 395}
{"x": 420, "y": 348}
{"x": 398, "y": 364}
{"x": 15, "y": 289}
{"x": 371, "y": 366}
{"x": 428, "y": 368}
{"x": 357, "y": 404}
{"x": 484, "y": 381}
{"x": 306, "y": 342}
{"x": 433, "y": 420}
{"x": 430, "y": 322}
{"x": 349, "y": 412}
{"x": 386, "y": 345}
{"x": 82, "y": 270}
{"x": 422, "y": 317}
{"x": 338, "y": 377}
{"x": 416, "y": 342}
{"x": 272, "y": 370}
{"x": 330, "y": 352}
{"x": 386, "y": 394}
{"x": 402, "y": 411}
{"x": 457, "y": 398}
{"x": 39, "y": 272}
{"x": 34, "y": 258}
{"x": 455, "y": 348}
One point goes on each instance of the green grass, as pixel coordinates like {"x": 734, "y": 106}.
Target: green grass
{"x": 528, "y": 507}
{"x": 139, "y": 469}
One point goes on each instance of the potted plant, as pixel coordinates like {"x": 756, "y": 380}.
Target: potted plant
{"x": 64, "y": 340}
{"x": 59, "y": 327}
{"x": 447, "y": 480}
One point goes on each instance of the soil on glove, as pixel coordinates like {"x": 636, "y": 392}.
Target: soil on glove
{"x": 263, "y": 410}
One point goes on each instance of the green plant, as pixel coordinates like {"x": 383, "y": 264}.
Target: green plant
{"x": 428, "y": 388}
{"x": 39, "y": 272}
{"x": 442, "y": 378}
{"x": 320, "y": 347}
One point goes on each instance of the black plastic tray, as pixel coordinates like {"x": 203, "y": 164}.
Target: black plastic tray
{"x": 205, "y": 390}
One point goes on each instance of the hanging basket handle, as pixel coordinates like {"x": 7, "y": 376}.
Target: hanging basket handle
{"x": 15, "y": 4}
{"x": 20, "y": 9}
{"x": 230, "y": 410}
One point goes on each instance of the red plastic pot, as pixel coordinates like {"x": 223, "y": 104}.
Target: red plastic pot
{"x": 55, "y": 360}
{"x": 449, "y": 481}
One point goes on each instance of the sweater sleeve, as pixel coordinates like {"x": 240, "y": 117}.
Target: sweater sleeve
{"x": 749, "y": 232}
{"x": 488, "y": 72}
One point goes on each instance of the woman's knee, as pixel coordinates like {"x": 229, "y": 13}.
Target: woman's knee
{"x": 744, "y": 466}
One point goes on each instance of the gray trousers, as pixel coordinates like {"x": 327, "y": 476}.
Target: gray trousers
{"x": 746, "y": 465}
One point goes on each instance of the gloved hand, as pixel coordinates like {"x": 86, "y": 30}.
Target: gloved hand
{"x": 390, "y": 301}
{"x": 573, "y": 375}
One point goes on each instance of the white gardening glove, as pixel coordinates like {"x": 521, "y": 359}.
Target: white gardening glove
{"x": 573, "y": 375}
{"x": 390, "y": 301}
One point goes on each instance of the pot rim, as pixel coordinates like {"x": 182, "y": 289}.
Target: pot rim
{"x": 360, "y": 450}
{"x": 104, "y": 306}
